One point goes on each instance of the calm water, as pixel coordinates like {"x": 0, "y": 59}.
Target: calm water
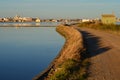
{"x": 25, "y": 52}
{"x": 118, "y": 23}
{"x": 30, "y": 24}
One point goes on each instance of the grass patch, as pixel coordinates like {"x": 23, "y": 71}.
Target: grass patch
{"x": 71, "y": 70}
{"x": 100, "y": 26}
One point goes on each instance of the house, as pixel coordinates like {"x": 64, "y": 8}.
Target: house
{"x": 85, "y": 20}
{"x": 1, "y": 19}
{"x": 37, "y": 20}
{"x": 54, "y": 20}
{"x": 27, "y": 19}
{"x": 6, "y": 19}
{"x": 108, "y": 19}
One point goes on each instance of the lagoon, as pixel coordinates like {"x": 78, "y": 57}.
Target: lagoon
{"x": 26, "y": 51}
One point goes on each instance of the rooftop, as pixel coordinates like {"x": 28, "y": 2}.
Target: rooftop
{"x": 108, "y": 15}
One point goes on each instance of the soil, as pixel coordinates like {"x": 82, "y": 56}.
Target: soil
{"x": 104, "y": 50}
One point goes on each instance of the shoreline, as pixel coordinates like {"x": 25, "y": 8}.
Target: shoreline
{"x": 72, "y": 49}
{"x": 26, "y": 26}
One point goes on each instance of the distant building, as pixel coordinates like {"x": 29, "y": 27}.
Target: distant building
{"x": 6, "y": 19}
{"x": 1, "y": 19}
{"x": 37, "y": 20}
{"x": 27, "y": 19}
{"x": 54, "y": 20}
{"x": 17, "y": 19}
{"x": 108, "y": 19}
{"x": 85, "y": 20}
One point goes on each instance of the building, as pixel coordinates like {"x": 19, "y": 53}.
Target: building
{"x": 85, "y": 20}
{"x": 6, "y": 19}
{"x": 1, "y": 19}
{"x": 37, "y": 20}
{"x": 17, "y": 19}
{"x": 108, "y": 19}
{"x": 27, "y": 19}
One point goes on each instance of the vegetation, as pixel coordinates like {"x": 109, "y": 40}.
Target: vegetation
{"x": 100, "y": 26}
{"x": 71, "y": 70}
{"x": 73, "y": 63}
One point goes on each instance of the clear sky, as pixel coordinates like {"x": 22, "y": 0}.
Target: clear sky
{"x": 59, "y": 8}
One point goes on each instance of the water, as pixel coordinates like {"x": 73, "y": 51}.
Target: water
{"x": 26, "y": 51}
{"x": 26, "y": 24}
{"x": 118, "y": 23}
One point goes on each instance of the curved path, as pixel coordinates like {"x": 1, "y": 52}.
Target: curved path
{"x": 104, "y": 50}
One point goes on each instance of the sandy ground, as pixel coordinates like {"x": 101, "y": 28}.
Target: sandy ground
{"x": 104, "y": 50}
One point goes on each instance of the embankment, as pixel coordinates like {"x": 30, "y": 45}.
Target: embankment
{"x": 67, "y": 65}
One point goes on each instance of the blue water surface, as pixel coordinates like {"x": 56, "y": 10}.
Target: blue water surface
{"x": 26, "y": 51}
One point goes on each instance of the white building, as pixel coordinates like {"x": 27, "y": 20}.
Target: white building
{"x": 17, "y": 19}
{"x": 5, "y": 19}
{"x": 85, "y": 20}
{"x": 54, "y": 20}
{"x": 37, "y": 20}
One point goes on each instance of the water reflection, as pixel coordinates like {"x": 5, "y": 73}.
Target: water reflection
{"x": 118, "y": 23}
{"x": 19, "y": 24}
{"x": 28, "y": 24}
{"x": 24, "y": 52}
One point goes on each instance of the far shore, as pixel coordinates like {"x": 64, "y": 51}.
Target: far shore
{"x": 28, "y": 24}
{"x": 25, "y": 26}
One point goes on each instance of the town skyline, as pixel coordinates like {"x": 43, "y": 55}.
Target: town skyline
{"x": 59, "y": 9}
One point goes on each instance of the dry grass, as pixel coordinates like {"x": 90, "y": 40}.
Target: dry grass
{"x": 99, "y": 26}
{"x": 69, "y": 65}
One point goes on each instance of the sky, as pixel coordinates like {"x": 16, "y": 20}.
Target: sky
{"x": 59, "y": 8}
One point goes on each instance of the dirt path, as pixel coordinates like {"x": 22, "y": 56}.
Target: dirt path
{"x": 104, "y": 49}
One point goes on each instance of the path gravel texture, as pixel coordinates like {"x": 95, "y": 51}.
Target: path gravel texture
{"x": 104, "y": 50}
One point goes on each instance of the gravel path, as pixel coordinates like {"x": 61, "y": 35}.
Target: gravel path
{"x": 104, "y": 50}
